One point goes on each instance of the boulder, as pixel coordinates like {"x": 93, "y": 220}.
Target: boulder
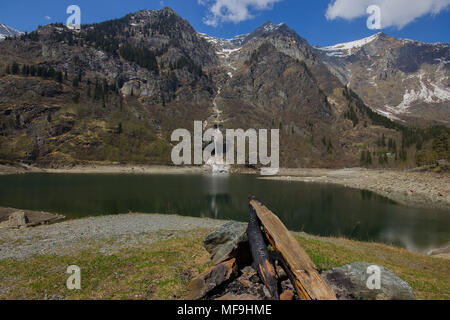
{"x": 131, "y": 88}
{"x": 350, "y": 282}
{"x": 212, "y": 278}
{"x": 18, "y": 219}
{"x": 227, "y": 242}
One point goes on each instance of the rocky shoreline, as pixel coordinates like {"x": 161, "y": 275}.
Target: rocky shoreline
{"x": 416, "y": 189}
{"x": 96, "y": 169}
{"x": 108, "y": 233}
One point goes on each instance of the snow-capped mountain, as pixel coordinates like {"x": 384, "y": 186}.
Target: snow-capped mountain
{"x": 232, "y": 43}
{"x": 6, "y": 31}
{"x": 239, "y": 40}
{"x": 348, "y": 48}
{"x": 403, "y": 79}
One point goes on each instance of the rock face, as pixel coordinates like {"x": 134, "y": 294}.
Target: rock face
{"x": 350, "y": 283}
{"x": 6, "y": 31}
{"x": 136, "y": 79}
{"x": 400, "y": 78}
{"x": 211, "y": 279}
{"x": 227, "y": 242}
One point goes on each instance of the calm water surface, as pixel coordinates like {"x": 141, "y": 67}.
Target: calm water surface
{"x": 319, "y": 209}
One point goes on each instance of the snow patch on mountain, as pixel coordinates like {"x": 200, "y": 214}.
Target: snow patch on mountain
{"x": 232, "y": 43}
{"x": 269, "y": 27}
{"x": 428, "y": 92}
{"x": 347, "y": 48}
{"x": 6, "y": 31}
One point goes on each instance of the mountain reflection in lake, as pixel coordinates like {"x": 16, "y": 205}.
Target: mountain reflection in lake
{"x": 326, "y": 210}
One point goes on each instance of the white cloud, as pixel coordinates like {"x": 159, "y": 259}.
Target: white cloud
{"x": 394, "y": 13}
{"x": 220, "y": 11}
{"x": 48, "y": 18}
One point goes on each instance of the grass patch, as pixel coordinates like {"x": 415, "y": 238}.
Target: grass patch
{"x": 164, "y": 269}
{"x": 159, "y": 271}
{"x": 429, "y": 277}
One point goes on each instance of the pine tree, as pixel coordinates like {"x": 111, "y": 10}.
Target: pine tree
{"x": 59, "y": 77}
{"x": 15, "y": 68}
{"x": 330, "y": 147}
{"x": 363, "y": 159}
{"x": 369, "y": 157}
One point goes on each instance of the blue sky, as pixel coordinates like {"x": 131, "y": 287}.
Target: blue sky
{"x": 345, "y": 22}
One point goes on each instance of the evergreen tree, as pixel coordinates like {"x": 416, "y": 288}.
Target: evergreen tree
{"x": 59, "y": 77}
{"x": 369, "y": 157}
{"x": 363, "y": 159}
{"x": 15, "y": 68}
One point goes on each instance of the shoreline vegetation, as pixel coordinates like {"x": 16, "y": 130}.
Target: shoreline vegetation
{"x": 409, "y": 188}
{"x": 152, "y": 256}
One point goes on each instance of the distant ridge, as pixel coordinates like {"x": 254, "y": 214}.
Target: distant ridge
{"x": 6, "y": 32}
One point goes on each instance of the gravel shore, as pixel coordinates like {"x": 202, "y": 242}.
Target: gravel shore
{"x": 108, "y": 233}
{"x": 112, "y": 169}
{"x": 417, "y": 189}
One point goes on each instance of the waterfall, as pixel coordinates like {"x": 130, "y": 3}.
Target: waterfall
{"x": 217, "y": 162}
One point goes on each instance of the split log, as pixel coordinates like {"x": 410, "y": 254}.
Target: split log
{"x": 306, "y": 279}
{"x": 212, "y": 278}
{"x": 260, "y": 256}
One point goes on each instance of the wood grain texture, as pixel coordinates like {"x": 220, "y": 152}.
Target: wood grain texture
{"x": 261, "y": 257}
{"x": 307, "y": 281}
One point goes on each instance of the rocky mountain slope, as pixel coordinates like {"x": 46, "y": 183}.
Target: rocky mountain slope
{"x": 6, "y": 31}
{"x": 115, "y": 91}
{"x": 402, "y": 79}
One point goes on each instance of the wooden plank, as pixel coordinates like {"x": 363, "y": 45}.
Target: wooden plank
{"x": 307, "y": 281}
{"x": 260, "y": 256}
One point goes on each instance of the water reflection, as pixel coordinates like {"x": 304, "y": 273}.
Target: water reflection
{"x": 314, "y": 208}
{"x": 217, "y": 196}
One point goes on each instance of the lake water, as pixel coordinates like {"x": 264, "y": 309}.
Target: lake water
{"x": 318, "y": 209}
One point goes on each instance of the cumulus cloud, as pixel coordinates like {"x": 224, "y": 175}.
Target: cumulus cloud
{"x": 220, "y": 11}
{"x": 394, "y": 13}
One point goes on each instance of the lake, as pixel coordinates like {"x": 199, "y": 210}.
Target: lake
{"x": 319, "y": 209}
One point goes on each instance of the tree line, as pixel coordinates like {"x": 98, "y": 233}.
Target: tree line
{"x": 45, "y": 72}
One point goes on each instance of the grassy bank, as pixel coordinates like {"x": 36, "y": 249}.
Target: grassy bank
{"x": 163, "y": 270}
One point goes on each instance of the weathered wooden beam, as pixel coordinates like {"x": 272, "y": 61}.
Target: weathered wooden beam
{"x": 307, "y": 281}
{"x": 260, "y": 256}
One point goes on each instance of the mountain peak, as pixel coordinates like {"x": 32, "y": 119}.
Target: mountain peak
{"x": 269, "y": 26}
{"x": 6, "y": 31}
{"x": 348, "y": 48}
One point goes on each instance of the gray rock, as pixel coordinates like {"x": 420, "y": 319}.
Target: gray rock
{"x": 18, "y": 219}
{"x": 350, "y": 282}
{"x": 227, "y": 242}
